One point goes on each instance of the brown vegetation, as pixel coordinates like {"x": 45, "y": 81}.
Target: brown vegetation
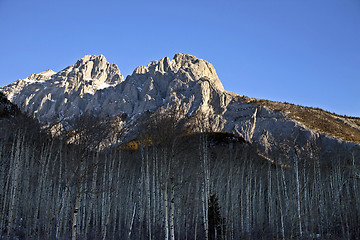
{"x": 343, "y": 127}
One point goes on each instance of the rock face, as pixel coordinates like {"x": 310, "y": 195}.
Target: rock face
{"x": 94, "y": 85}
{"x": 50, "y": 96}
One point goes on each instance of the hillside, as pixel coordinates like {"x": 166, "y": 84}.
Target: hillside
{"x": 343, "y": 127}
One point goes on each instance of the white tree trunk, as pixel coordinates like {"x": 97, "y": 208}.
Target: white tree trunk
{"x": 270, "y": 220}
{"x": 166, "y": 212}
{"x": 298, "y": 194}
{"x": 76, "y": 213}
{"x": 15, "y": 171}
{"x": 110, "y": 174}
{"x": 280, "y": 203}
{"x": 148, "y": 193}
{"x": 132, "y": 220}
{"x": 205, "y": 189}
{"x": 172, "y": 213}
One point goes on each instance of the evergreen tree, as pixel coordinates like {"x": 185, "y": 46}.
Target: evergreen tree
{"x": 216, "y": 222}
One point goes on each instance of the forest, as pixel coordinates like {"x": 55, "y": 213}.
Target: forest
{"x": 172, "y": 182}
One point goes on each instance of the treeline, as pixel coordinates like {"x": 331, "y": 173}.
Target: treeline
{"x": 176, "y": 185}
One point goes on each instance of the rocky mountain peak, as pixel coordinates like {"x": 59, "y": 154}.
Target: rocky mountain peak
{"x": 183, "y": 58}
{"x": 45, "y": 75}
{"x": 94, "y": 85}
{"x": 51, "y": 96}
{"x": 95, "y": 70}
{"x": 199, "y": 68}
{"x": 87, "y": 58}
{"x": 48, "y": 72}
{"x": 183, "y": 67}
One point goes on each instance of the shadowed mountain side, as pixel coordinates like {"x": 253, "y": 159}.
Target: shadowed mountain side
{"x": 12, "y": 120}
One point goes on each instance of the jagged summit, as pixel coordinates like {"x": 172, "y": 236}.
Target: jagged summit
{"x": 92, "y": 68}
{"x": 185, "y": 64}
{"x": 48, "y": 72}
{"x": 92, "y": 84}
{"x": 45, "y": 75}
{"x": 50, "y": 96}
{"x": 93, "y": 57}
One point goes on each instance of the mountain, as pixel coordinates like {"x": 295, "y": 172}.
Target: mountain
{"x": 93, "y": 85}
{"x": 198, "y": 162}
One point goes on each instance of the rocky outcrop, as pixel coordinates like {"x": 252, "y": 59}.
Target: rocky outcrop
{"x": 45, "y": 75}
{"x": 50, "y": 96}
{"x": 94, "y": 85}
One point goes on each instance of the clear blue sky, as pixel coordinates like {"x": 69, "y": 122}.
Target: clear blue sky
{"x": 305, "y": 52}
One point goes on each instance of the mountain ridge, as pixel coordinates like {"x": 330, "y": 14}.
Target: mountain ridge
{"x": 96, "y": 86}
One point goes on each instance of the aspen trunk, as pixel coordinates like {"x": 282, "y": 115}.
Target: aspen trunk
{"x": 269, "y": 197}
{"x": 60, "y": 215}
{"x": 75, "y": 213}
{"x": 282, "y": 229}
{"x": 91, "y": 211}
{"x": 154, "y": 187}
{"x": 306, "y": 213}
{"x": 103, "y": 197}
{"x": 14, "y": 171}
{"x": 172, "y": 212}
{"x": 148, "y": 193}
{"x": 298, "y": 195}
{"x": 166, "y": 214}
{"x": 132, "y": 221}
{"x": 205, "y": 189}
{"x": 110, "y": 174}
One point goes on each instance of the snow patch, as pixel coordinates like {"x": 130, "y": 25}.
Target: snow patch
{"x": 103, "y": 85}
{"x": 32, "y": 81}
{"x": 12, "y": 97}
